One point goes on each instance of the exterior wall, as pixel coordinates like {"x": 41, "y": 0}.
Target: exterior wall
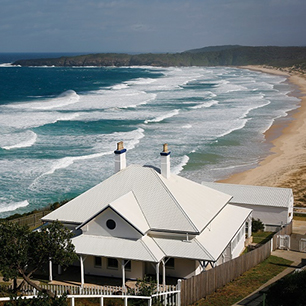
{"x": 137, "y": 269}
{"x": 276, "y": 216}
{"x": 290, "y": 210}
{"x": 226, "y": 255}
{"x": 183, "y": 268}
{"x": 237, "y": 243}
{"x": 98, "y": 227}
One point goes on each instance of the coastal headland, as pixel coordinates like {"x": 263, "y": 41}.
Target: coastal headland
{"x": 286, "y": 165}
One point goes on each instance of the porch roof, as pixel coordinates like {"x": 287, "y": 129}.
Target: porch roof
{"x": 144, "y": 249}
{"x": 183, "y": 249}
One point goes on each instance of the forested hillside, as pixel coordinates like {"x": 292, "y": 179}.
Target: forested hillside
{"x": 231, "y": 55}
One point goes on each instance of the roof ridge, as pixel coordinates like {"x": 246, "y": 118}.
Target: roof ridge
{"x": 141, "y": 209}
{"x": 175, "y": 201}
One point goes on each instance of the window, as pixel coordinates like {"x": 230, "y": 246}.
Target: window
{"x": 111, "y": 224}
{"x": 112, "y": 263}
{"x": 98, "y": 262}
{"x": 169, "y": 262}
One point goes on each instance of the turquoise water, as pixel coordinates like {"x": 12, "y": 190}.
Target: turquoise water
{"x": 59, "y": 126}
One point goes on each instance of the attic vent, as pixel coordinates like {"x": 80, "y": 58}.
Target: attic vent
{"x": 111, "y": 224}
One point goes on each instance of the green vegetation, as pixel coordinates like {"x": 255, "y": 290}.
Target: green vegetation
{"x": 262, "y": 237}
{"x": 210, "y": 56}
{"x": 246, "y": 283}
{"x": 288, "y": 291}
{"x": 24, "y": 252}
{"x": 257, "y": 225}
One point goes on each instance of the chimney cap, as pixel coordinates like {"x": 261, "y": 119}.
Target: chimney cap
{"x": 165, "y": 150}
{"x": 120, "y": 148}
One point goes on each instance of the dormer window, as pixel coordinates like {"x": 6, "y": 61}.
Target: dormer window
{"x": 111, "y": 224}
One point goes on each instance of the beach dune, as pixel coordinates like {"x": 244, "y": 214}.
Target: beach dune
{"x": 286, "y": 165}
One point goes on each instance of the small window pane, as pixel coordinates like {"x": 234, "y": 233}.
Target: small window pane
{"x": 112, "y": 263}
{"x": 98, "y": 262}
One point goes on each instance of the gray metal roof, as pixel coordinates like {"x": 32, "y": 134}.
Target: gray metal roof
{"x": 207, "y": 246}
{"x": 222, "y": 229}
{"x": 173, "y": 204}
{"x": 143, "y": 249}
{"x": 254, "y": 195}
{"x": 183, "y": 249}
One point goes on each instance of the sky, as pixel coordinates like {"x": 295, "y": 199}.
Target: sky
{"x": 143, "y": 26}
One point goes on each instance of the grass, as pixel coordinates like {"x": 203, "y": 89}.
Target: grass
{"x": 246, "y": 283}
{"x": 262, "y": 237}
{"x": 299, "y": 217}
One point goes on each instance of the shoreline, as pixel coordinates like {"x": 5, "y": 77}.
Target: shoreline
{"x": 285, "y": 166}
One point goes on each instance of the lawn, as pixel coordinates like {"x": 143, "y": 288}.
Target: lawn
{"x": 246, "y": 283}
{"x": 262, "y": 237}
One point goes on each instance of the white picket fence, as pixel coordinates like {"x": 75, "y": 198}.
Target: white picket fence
{"x": 168, "y": 295}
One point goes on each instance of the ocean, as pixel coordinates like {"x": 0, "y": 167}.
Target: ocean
{"x": 59, "y": 125}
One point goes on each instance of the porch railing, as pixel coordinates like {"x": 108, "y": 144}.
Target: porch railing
{"x": 168, "y": 295}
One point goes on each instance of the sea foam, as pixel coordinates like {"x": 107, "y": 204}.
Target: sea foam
{"x": 13, "y": 206}
{"x": 23, "y": 144}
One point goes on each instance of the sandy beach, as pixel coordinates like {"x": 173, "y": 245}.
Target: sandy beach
{"x": 286, "y": 165}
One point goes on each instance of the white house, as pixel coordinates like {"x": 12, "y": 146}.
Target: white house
{"x": 144, "y": 221}
{"x": 272, "y": 205}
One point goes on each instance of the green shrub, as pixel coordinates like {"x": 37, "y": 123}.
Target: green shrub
{"x": 288, "y": 291}
{"x": 257, "y": 225}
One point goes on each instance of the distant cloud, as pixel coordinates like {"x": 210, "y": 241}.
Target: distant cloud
{"x": 148, "y": 26}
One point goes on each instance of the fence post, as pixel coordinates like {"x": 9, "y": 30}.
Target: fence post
{"x": 125, "y": 301}
{"x": 72, "y": 301}
{"x": 179, "y": 286}
{"x": 101, "y": 301}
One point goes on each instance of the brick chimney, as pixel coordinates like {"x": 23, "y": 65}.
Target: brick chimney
{"x": 120, "y": 157}
{"x": 165, "y": 161}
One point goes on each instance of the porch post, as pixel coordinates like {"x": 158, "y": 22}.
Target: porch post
{"x": 50, "y": 270}
{"x": 164, "y": 273}
{"x": 82, "y": 270}
{"x": 123, "y": 275}
{"x": 157, "y": 275}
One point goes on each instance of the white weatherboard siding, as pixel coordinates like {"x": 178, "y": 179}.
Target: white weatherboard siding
{"x": 98, "y": 227}
{"x": 269, "y": 215}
